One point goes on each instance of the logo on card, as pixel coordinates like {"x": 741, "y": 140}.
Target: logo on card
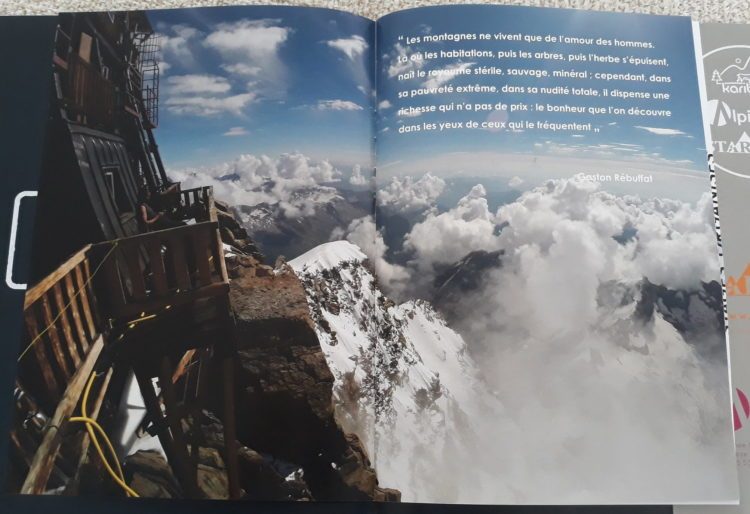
{"x": 735, "y": 78}
{"x": 738, "y": 285}
{"x": 727, "y": 107}
{"x": 740, "y": 416}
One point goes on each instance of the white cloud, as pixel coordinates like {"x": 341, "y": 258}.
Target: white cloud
{"x": 191, "y": 84}
{"x": 236, "y": 131}
{"x": 447, "y": 237}
{"x": 292, "y": 183}
{"x": 163, "y": 67}
{"x": 199, "y": 105}
{"x": 353, "y": 47}
{"x": 241, "y": 68}
{"x": 338, "y": 105}
{"x": 404, "y": 194}
{"x": 441, "y": 76}
{"x": 404, "y": 113}
{"x": 567, "y": 303}
{"x": 385, "y": 104}
{"x": 251, "y": 48}
{"x": 663, "y": 230}
{"x": 363, "y": 233}
{"x": 400, "y": 61}
{"x": 175, "y": 45}
{"x": 661, "y": 131}
{"x": 357, "y": 178}
{"x": 515, "y": 181}
{"x": 251, "y": 39}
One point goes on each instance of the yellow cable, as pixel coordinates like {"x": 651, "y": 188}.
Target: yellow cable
{"x": 91, "y": 423}
{"x": 84, "y": 413}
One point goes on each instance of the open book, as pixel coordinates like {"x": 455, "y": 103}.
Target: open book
{"x": 459, "y": 254}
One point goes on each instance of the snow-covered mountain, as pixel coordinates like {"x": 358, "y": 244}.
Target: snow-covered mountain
{"x": 404, "y": 380}
{"x": 551, "y": 409}
{"x": 281, "y": 231}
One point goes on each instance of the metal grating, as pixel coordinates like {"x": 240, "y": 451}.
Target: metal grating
{"x": 149, "y": 53}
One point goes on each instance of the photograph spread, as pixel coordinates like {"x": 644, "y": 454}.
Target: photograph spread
{"x": 459, "y": 255}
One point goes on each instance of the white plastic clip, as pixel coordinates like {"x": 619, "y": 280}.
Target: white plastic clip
{"x": 13, "y": 235}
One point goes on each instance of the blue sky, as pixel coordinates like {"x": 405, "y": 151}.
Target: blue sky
{"x": 264, "y": 80}
{"x": 674, "y": 142}
{"x": 274, "y": 80}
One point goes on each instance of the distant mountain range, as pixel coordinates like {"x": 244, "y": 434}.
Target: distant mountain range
{"x": 278, "y": 231}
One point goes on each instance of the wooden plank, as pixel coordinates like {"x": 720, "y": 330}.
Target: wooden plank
{"x": 54, "y": 339}
{"x": 93, "y": 412}
{"x": 176, "y": 249}
{"x": 60, "y": 62}
{"x": 182, "y": 365}
{"x": 94, "y": 308}
{"x": 218, "y": 250}
{"x": 135, "y": 272}
{"x": 161, "y": 235}
{"x": 158, "y": 273}
{"x": 201, "y": 243}
{"x": 187, "y": 474}
{"x": 84, "y": 47}
{"x": 134, "y": 309}
{"x": 230, "y": 435}
{"x": 213, "y": 216}
{"x": 74, "y": 350}
{"x": 50, "y": 381}
{"x": 44, "y": 458}
{"x": 85, "y": 303}
{"x": 198, "y": 382}
{"x": 75, "y": 312}
{"x": 36, "y": 292}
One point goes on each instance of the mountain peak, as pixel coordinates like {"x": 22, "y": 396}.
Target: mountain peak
{"x": 327, "y": 256}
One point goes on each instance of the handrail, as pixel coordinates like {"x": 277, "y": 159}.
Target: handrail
{"x": 61, "y": 321}
{"x": 34, "y": 293}
{"x": 165, "y": 267}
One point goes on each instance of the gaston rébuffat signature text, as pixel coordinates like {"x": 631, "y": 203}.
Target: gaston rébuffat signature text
{"x": 643, "y": 178}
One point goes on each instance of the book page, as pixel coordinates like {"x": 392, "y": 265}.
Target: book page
{"x": 546, "y": 235}
{"x": 199, "y": 169}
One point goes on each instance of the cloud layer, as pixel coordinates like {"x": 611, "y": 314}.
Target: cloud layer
{"x": 293, "y": 182}
{"x": 249, "y": 52}
{"x": 447, "y": 237}
{"x": 586, "y": 381}
{"x": 406, "y": 195}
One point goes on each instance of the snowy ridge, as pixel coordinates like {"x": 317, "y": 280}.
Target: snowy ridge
{"x": 327, "y": 256}
{"x": 403, "y": 379}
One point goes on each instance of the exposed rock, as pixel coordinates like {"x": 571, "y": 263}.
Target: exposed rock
{"x": 285, "y": 388}
{"x": 213, "y": 481}
{"x": 151, "y": 476}
{"x": 697, "y": 315}
{"x": 262, "y": 481}
{"x": 233, "y": 234}
{"x": 291, "y": 447}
